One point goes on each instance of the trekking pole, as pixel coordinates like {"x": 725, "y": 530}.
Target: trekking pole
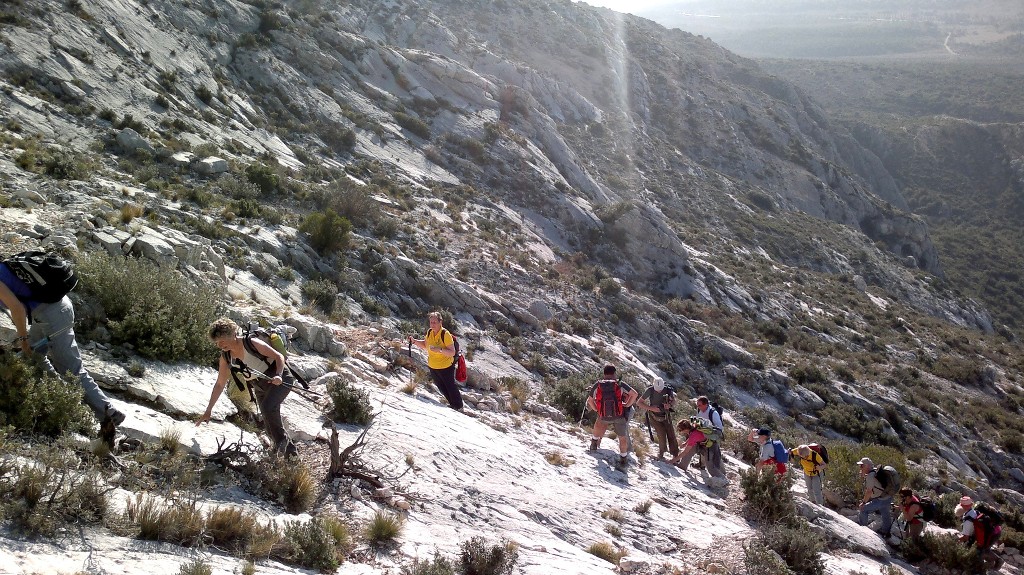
{"x": 582, "y": 415}
{"x": 647, "y": 418}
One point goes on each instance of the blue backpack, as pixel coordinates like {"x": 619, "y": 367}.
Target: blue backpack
{"x": 781, "y": 453}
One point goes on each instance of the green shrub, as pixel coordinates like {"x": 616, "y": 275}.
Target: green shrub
{"x": 66, "y": 165}
{"x": 852, "y": 421}
{"x": 263, "y": 177}
{"x": 945, "y": 550}
{"x": 181, "y": 522}
{"x": 413, "y": 124}
{"x": 349, "y": 404}
{"x": 383, "y": 528}
{"x": 328, "y": 232}
{"x": 157, "y": 310}
{"x": 945, "y": 507}
{"x": 352, "y": 201}
{"x": 798, "y": 545}
{"x": 609, "y": 287}
{"x": 321, "y": 294}
{"x": 195, "y": 567}
{"x": 767, "y": 500}
{"x": 34, "y": 401}
{"x": 438, "y": 566}
{"x": 479, "y": 558}
{"x": 569, "y": 395}
{"x": 844, "y": 474}
{"x": 761, "y": 560}
{"x": 314, "y": 544}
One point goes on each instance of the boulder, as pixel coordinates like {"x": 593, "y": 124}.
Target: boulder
{"x": 211, "y": 165}
{"x": 130, "y": 141}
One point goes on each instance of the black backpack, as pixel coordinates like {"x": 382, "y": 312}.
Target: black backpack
{"x": 889, "y": 479}
{"x": 988, "y": 514}
{"x": 49, "y": 278}
{"x": 928, "y": 509}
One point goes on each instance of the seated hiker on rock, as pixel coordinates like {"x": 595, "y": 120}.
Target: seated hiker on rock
{"x": 611, "y": 399}
{"x": 266, "y": 375}
{"x": 440, "y": 348}
{"x": 692, "y": 439}
{"x": 48, "y": 329}
{"x": 911, "y": 513}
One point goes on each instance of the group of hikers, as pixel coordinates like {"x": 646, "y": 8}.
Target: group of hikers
{"x": 701, "y": 434}
{"x": 34, "y": 287}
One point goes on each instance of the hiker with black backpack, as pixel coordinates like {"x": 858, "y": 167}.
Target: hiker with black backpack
{"x": 914, "y": 513}
{"x": 658, "y": 400}
{"x": 611, "y": 399}
{"x": 982, "y": 528}
{"x": 442, "y": 359}
{"x": 711, "y": 453}
{"x": 33, "y": 289}
{"x": 878, "y": 492}
{"x": 265, "y": 372}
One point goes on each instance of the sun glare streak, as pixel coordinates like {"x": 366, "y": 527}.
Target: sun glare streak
{"x": 619, "y": 55}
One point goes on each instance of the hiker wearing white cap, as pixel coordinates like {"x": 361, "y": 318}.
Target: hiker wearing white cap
{"x": 966, "y": 504}
{"x": 875, "y": 500}
{"x": 658, "y": 400}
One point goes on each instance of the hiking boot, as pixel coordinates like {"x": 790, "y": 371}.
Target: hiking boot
{"x": 623, "y": 461}
{"x": 112, "y": 414}
{"x": 594, "y": 443}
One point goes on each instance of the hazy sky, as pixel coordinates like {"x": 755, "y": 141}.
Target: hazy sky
{"x": 626, "y": 5}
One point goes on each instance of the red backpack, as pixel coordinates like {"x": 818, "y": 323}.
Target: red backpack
{"x": 608, "y": 398}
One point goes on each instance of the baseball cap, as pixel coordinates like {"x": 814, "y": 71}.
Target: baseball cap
{"x": 659, "y": 384}
{"x": 966, "y": 501}
{"x": 765, "y": 432}
{"x": 866, "y": 461}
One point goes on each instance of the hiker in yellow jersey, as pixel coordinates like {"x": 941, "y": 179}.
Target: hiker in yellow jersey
{"x": 441, "y": 360}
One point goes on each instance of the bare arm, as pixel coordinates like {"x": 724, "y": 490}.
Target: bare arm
{"x": 631, "y": 398}
{"x": 19, "y": 315}
{"x": 223, "y": 373}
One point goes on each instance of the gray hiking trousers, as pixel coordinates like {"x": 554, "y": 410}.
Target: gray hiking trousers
{"x": 52, "y": 335}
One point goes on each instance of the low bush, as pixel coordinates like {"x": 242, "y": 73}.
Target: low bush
{"x": 945, "y": 550}
{"x": 296, "y": 487}
{"x": 798, "y": 545}
{"x": 569, "y": 395}
{"x": 767, "y": 499}
{"x": 230, "y": 528}
{"x": 315, "y": 543}
{"x": 156, "y": 309}
{"x": 328, "y": 232}
{"x": 50, "y": 493}
{"x": 263, "y": 177}
{"x": 322, "y": 294}
{"x": 383, "y": 528}
{"x": 480, "y": 558}
{"x": 413, "y": 124}
{"x": 762, "y": 560}
{"x": 437, "y": 566}
{"x": 180, "y": 522}
{"x": 349, "y": 404}
{"x": 844, "y": 474}
{"x": 35, "y": 401}
{"x": 606, "y": 551}
{"x": 195, "y": 567}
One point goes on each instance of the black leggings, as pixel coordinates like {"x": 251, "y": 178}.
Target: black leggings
{"x": 444, "y": 379}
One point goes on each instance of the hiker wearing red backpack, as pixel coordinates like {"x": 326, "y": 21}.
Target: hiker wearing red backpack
{"x": 266, "y": 373}
{"x": 982, "y": 527}
{"x": 814, "y": 467}
{"x": 52, "y": 317}
{"x": 441, "y": 359}
{"x": 611, "y": 399}
{"x": 692, "y": 438}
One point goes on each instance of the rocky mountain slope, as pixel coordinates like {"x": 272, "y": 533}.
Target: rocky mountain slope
{"x": 575, "y": 186}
